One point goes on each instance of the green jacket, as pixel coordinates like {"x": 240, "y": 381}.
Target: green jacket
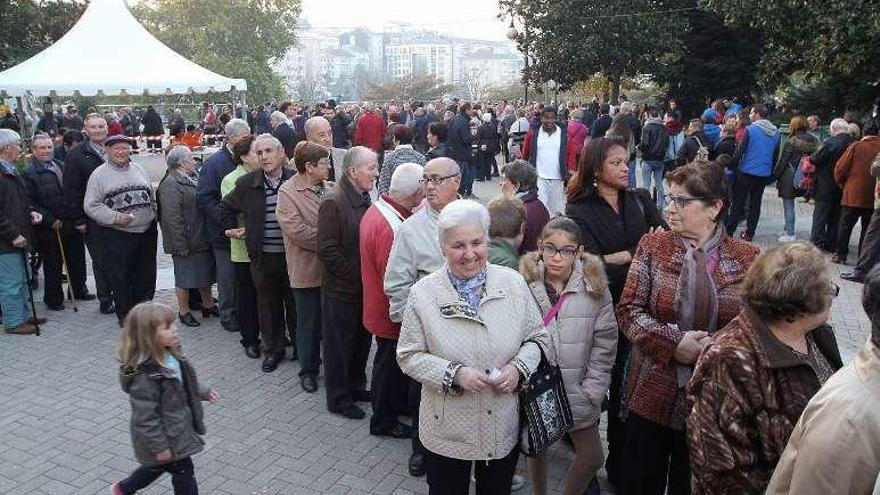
{"x": 502, "y": 253}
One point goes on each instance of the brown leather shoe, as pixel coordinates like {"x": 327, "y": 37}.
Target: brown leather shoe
{"x": 23, "y": 329}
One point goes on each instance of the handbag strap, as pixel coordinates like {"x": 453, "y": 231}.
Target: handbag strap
{"x": 551, "y": 315}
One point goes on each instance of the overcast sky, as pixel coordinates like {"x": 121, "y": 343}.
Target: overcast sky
{"x": 464, "y": 18}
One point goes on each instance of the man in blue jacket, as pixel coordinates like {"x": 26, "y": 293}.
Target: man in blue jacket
{"x": 208, "y": 199}
{"x": 754, "y": 159}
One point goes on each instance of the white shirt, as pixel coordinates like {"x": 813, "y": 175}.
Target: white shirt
{"x": 547, "y": 156}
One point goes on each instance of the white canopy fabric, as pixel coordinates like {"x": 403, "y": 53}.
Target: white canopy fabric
{"x": 109, "y": 51}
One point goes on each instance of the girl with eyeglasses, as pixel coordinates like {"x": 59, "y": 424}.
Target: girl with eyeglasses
{"x": 571, "y": 289}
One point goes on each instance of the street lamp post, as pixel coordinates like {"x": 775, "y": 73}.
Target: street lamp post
{"x": 511, "y": 35}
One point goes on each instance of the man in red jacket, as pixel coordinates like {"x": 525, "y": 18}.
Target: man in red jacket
{"x": 377, "y": 229}
{"x": 370, "y": 130}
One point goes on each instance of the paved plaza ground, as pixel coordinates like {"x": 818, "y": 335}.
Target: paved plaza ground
{"x": 64, "y": 427}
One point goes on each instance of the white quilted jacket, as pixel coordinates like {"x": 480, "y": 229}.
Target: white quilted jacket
{"x": 470, "y": 426}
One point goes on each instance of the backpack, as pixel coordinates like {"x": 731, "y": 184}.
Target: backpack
{"x": 702, "y": 155}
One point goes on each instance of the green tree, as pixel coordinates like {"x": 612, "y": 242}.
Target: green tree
{"x": 30, "y": 26}
{"x": 570, "y": 40}
{"x": 236, "y": 38}
{"x": 829, "y": 41}
{"x": 716, "y": 60}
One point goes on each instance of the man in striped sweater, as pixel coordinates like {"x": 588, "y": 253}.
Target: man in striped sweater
{"x": 120, "y": 200}
{"x": 254, "y": 197}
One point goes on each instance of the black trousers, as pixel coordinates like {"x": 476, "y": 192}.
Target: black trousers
{"x": 505, "y": 150}
{"x": 826, "y": 222}
{"x": 346, "y": 350}
{"x": 655, "y": 460}
{"x": 75, "y": 253}
{"x": 269, "y": 273}
{"x": 870, "y": 251}
{"x": 246, "y": 311}
{"x": 132, "y": 271}
{"x": 448, "y": 476}
{"x": 308, "y": 330}
{"x": 389, "y": 385}
{"x": 415, "y": 401}
{"x": 848, "y": 218}
{"x": 102, "y": 282}
{"x": 616, "y": 432}
{"x": 749, "y": 189}
{"x": 183, "y": 477}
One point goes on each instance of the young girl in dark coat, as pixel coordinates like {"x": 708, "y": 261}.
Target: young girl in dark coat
{"x": 166, "y": 409}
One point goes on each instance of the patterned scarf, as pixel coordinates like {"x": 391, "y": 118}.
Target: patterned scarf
{"x": 697, "y": 306}
{"x": 470, "y": 290}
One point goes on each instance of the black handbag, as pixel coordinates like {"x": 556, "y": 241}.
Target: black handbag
{"x": 544, "y": 412}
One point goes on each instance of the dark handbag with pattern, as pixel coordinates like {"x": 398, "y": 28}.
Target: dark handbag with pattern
{"x": 544, "y": 412}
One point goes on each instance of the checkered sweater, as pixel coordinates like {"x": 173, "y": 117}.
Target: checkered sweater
{"x": 112, "y": 189}
{"x": 648, "y": 316}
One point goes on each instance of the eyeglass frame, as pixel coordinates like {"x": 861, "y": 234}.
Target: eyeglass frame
{"x": 677, "y": 200}
{"x": 437, "y": 181}
{"x": 558, "y": 251}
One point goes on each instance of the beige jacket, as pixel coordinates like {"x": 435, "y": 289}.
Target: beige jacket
{"x": 835, "y": 446}
{"x": 437, "y": 330}
{"x": 297, "y": 212}
{"x": 584, "y": 335}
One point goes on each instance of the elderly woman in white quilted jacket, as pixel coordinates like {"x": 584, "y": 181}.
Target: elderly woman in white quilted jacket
{"x": 470, "y": 334}
{"x": 571, "y": 289}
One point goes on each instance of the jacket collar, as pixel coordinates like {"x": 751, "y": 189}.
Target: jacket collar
{"x": 867, "y": 365}
{"x": 258, "y": 177}
{"x": 300, "y": 184}
{"x": 778, "y": 355}
{"x": 351, "y": 192}
{"x": 452, "y": 307}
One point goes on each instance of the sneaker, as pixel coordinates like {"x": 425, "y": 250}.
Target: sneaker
{"x": 786, "y": 238}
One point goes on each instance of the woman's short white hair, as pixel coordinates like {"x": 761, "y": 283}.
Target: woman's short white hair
{"x": 487, "y": 117}
{"x": 462, "y": 213}
{"x": 176, "y": 155}
{"x": 277, "y": 117}
{"x": 405, "y": 180}
{"x": 839, "y": 125}
{"x": 236, "y": 127}
{"x": 8, "y": 136}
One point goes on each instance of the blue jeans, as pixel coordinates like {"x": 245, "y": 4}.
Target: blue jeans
{"x": 467, "y": 178}
{"x": 654, "y": 169}
{"x": 788, "y": 206}
{"x": 632, "y": 174}
{"x": 13, "y": 289}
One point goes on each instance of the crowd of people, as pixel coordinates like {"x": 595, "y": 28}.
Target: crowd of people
{"x": 715, "y": 361}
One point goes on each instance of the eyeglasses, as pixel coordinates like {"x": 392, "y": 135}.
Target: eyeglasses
{"x": 679, "y": 201}
{"x": 435, "y": 180}
{"x": 549, "y": 250}
{"x": 833, "y": 291}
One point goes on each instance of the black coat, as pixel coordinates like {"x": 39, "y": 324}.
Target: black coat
{"x": 688, "y": 151}
{"x": 437, "y": 151}
{"x": 82, "y": 160}
{"x": 654, "y": 142}
{"x": 600, "y": 126}
{"x": 799, "y": 145}
{"x": 725, "y": 146}
{"x": 339, "y": 126}
{"x": 824, "y": 159}
{"x": 15, "y": 211}
{"x": 46, "y": 195}
{"x": 420, "y": 130}
{"x": 460, "y": 139}
{"x": 487, "y": 135}
{"x": 152, "y": 124}
{"x": 339, "y": 218}
{"x": 288, "y": 137}
{"x": 249, "y": 199}
{"x": 606, "y": 231}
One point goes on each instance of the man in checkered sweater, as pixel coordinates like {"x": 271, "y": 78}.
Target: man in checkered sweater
{"x": 120, "y": 200}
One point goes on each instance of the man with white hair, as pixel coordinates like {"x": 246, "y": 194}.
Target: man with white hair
{"x": 346, "y": 341}
{"x": 826, "y": 214}
{"x": 319, "y": 130}
{"x": 16, "y": 218}
{"x": 208, "y": 197}
{"x": 389, "y": 385}
{"x": 414, "y": 254}
{"x": 254, "y": 199}
{"x": 119, "y": 199}
{"x": 284, "y": 132}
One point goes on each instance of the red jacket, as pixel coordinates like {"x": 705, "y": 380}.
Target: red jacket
{"x": 577, "y": 134}
{"x": 369, "y": 131}
{"x": 376, "y": 238}
{"x": 115, "y": 129}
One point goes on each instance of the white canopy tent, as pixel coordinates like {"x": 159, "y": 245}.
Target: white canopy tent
{"x": 109, "y": 51}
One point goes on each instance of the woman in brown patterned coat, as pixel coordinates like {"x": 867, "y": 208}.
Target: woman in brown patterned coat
{"x": 682, "y": 286}
{"x": 754, "y": 380}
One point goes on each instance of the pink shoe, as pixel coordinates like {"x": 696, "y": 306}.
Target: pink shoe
{"x": 116, "y": 490}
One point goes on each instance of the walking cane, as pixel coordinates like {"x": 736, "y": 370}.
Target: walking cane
{"x": 67, "y": 271}
{"x": 28, "y": 275}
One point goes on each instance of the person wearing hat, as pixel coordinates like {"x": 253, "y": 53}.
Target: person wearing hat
{"x": 120, "y": 200}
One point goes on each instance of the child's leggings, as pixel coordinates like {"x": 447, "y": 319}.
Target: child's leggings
{"x": 183, "y": 477}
